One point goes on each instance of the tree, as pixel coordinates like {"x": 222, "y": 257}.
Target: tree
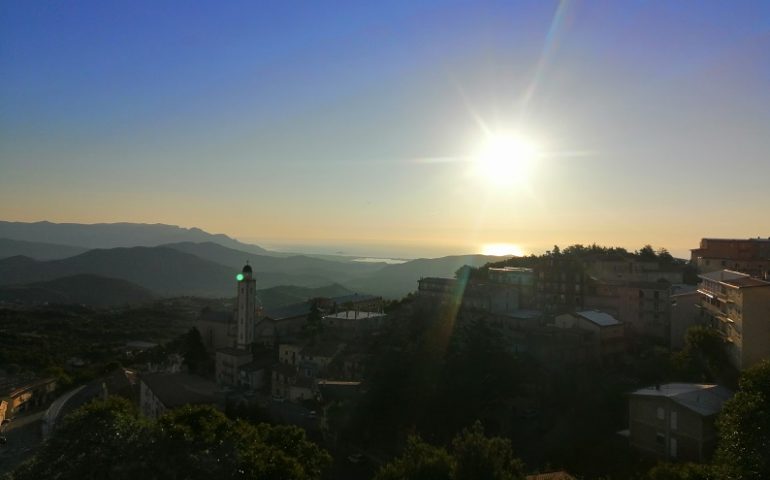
{"x": 744, "y": 427}
{"x": 314, "y": 322}
{"x": 647, "y": 253}
{"x": 105, "y": 439}
{"x": 194, "y": 352}
{"x": 108, "y": 439}
{"x": 473, "y": 456}
{"x": 480, "y": 457}
{"x": 684, "y": 471}
{"x": 703, "y": 356}
{"x": 420, "y": 461}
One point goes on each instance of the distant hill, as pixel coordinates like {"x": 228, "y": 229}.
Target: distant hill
{"x": 162, "y": 270}
{"x": 111, "y": 235}
{"x": 78, "y": 289}
{"x": 288, "y": 294}
{"x": 395, "y": 281}
{"x": 301, "y": 266}
{"x": 37, "y": 250}
{"x": 167, "y": 271}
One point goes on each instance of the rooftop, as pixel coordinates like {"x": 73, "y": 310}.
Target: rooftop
{"x": 722, "y": 275}
{"x": 177, "y": 389}
{"x": 702, "y": 399}
{"x": 747, "y": 282}
{"x": 355, "y": 315}
{"x": 560, "y": 475}
{"x": 235, "y": 352}
{"x": 511, "y": 269}
{"x": 599, "y": 318}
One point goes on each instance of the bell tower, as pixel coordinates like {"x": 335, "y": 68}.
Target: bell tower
{"x": 246, "y": 307}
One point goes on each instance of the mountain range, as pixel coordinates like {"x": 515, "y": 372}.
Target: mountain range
{"x": 197, "y": 263}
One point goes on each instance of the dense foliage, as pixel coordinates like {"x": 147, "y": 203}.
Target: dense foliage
{"x": 471, "y": 456}
{"x": 109, "y": 439}
{"x": 43, "y": 339}
{"x": 744, "y": 427}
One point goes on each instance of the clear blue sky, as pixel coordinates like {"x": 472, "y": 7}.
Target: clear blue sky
{"x": 352, "y": 123}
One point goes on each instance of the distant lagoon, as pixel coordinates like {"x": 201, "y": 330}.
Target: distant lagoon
{"x": 389, "y": 261}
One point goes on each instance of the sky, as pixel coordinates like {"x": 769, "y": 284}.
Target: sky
{"x": 356, "y": 126}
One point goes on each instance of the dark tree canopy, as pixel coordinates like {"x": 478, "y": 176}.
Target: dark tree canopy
{"x": 472, "y": 456}
{"x": 744, "y": 427}
{"x": 110, "y": 440}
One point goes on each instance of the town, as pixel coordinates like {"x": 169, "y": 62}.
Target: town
{"x": 592, "y": 361}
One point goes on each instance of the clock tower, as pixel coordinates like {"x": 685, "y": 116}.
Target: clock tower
{"x": 246, "y": 308}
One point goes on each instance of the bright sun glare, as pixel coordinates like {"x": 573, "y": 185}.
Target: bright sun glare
{"x": 505, "y": 159}
{"x": 502, "y": 249}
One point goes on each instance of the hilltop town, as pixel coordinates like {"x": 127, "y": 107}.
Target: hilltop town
{"x": 589, "y": 360}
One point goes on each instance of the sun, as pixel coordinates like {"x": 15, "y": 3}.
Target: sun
{"x": 502, "y": 250}
{"x": 505, "y": 159}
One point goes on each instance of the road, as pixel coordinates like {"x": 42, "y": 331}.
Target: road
{"x": 24, "y": 436}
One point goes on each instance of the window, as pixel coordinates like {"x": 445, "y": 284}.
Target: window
{"x": 672, "y": 448}
{"x": 674, "y": 420}
{"x": 661, "y": 413}
{"x": 660, "y": 439}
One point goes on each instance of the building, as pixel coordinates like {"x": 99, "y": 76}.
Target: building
{"x": 676, "y": 420}
{"x": 228, "y": 363}
{"x": 607, "y": 331}
{"x": 354, "y": 301}
{"x": 738, "y": 306}
{"x": 353, "y": 322}
{"x": 246, "y": 308}
{"x": 22, "y": 394}
{"x": 751, "y": 255}
{"x": 437, "y": 291}
{"x": 561, "y": 285}
{"x": 161, "y": 392}
{"x": 633, "y": 269}
{"x": 287, "y": 383}
{"x": 315, "y": 358}
{"x": 281, "y": 322}
{"x": 684, "y": 314}
{"x": 521, "y": 278}
{"x": 217, "y": 329}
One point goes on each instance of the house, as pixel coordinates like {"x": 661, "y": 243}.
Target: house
{"x": 738, "y": 306}
{"x": 434, "y": 291}
{"x": 316, "y": 357}
{"x": 560, "y": 284}
{"x": 281, "y": 322}
{"x": 608, "y": 332}
{"x": 287, "y": 383}
{"x": 675, "y": 420}
{"x": 161, "y": 392}
{"x": 217, "y": 329}
{"x": 750, "y": 255}
{"x": 25, "y": 393}
{"x": 229, "y": 361}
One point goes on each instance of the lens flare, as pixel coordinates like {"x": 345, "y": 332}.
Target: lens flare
{"x": 505, "y": 159}
{"x": 502, "y": 249}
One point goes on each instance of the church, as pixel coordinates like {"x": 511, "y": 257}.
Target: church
{"x": 237, "y": 364}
